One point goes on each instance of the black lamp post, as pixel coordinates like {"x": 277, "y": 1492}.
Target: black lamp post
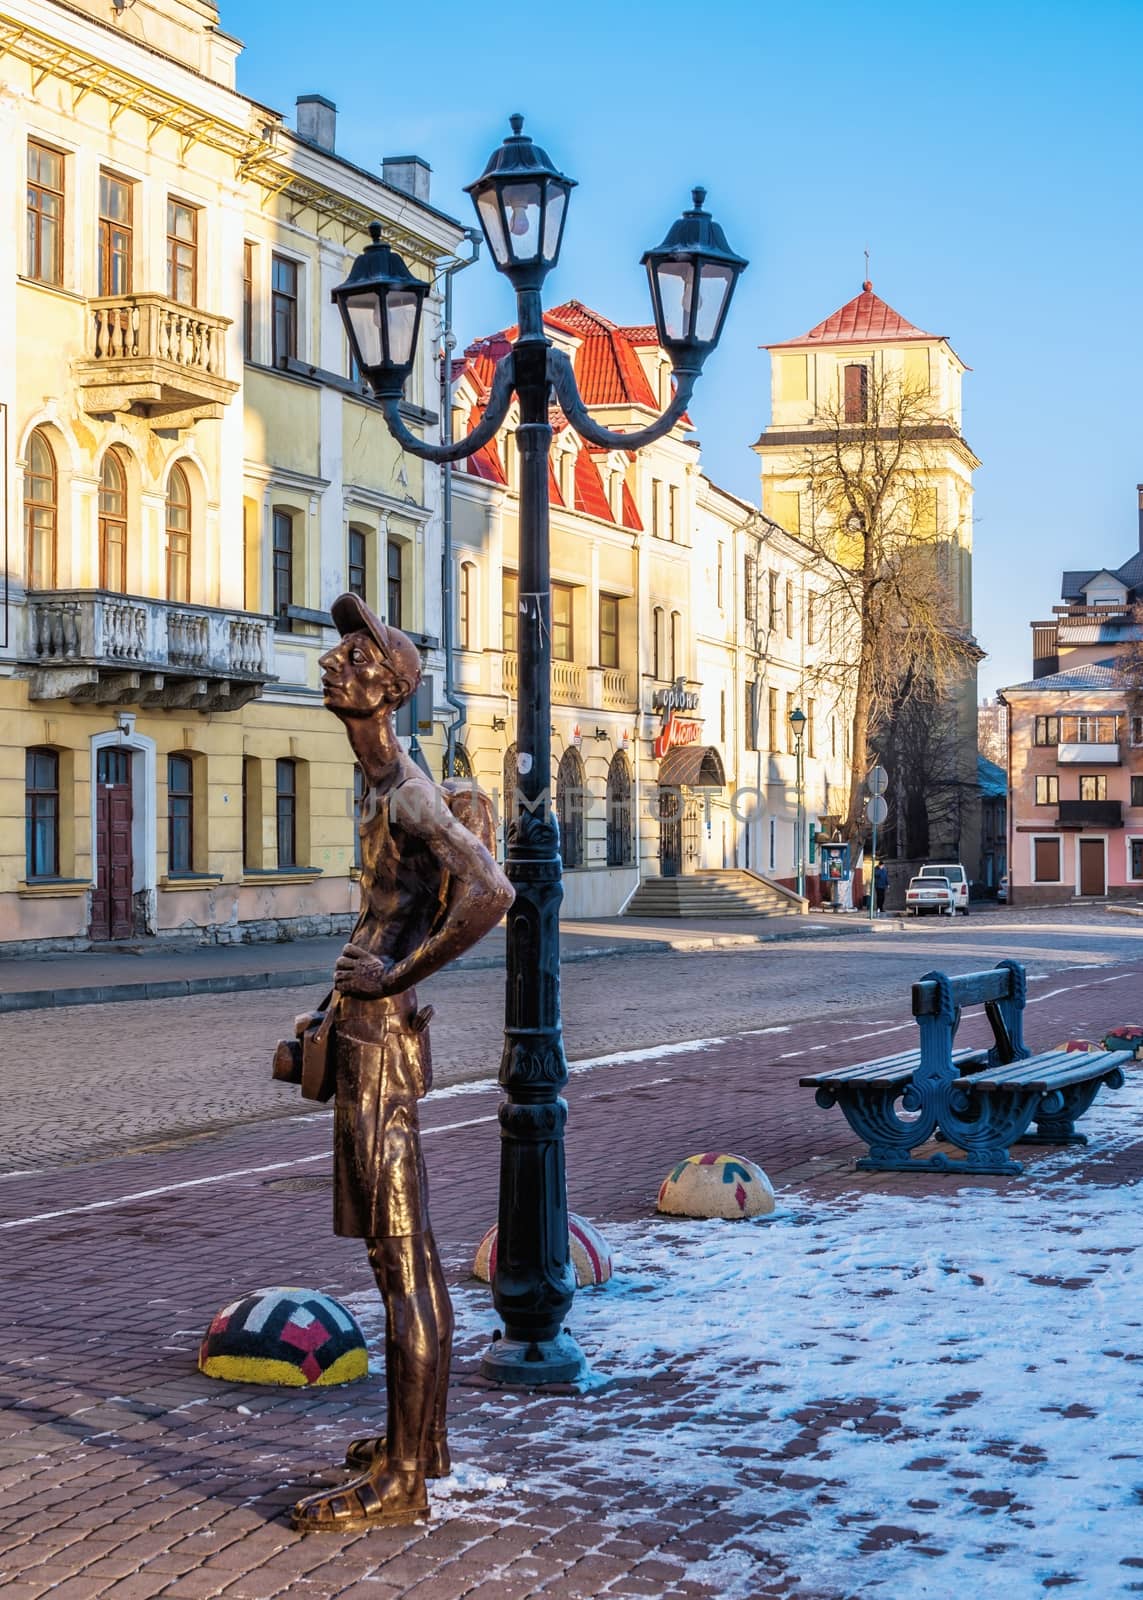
{"x": 798, "y": 728}
{"x": 521, "y": 200}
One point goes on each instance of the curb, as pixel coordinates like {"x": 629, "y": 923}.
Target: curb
{"x": 239, "y": 982}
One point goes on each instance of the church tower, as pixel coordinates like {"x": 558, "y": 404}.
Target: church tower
{"x": 829, "y": 378}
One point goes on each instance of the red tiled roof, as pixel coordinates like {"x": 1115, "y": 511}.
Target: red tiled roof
{"x": 646, "y": 333}
{"x": 866, "y": 319}
{"x": 590, "y": 495}
{"x": 608, "y": 371}
{"x": 486, "y": 462}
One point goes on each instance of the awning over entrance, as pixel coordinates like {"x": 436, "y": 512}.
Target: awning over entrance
{"x": 698, "y": 766}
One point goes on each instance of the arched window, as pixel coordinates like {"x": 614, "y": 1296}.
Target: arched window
{"x": 571, "y": 785}
{"x": 464, "y": 610}
{"x": 657, "y": 642}
{"x": 508, "y": 793}
{"x": 113, "y": 525}
{"x": 620, "y": 836}
{"x": 41, "y": 508}
{"x": 461, "y": 763}
{"x": 178, "y": 535}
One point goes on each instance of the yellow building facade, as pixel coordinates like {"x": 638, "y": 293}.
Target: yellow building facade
{"x": 192, "y": 475}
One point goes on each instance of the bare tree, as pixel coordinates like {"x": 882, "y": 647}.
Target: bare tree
{"x": 893, "y": 633}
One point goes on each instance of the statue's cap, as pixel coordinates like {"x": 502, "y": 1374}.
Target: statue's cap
{"x": 351, "y": 615}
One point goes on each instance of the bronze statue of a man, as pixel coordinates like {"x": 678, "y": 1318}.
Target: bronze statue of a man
{"x": 429, "y": 890}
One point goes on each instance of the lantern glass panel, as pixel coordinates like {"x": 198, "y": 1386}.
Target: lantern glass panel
{"x": 364, "y": 312}
{"x": 401, "y": 310}
{"x": 553, "y": 221}
{"x": 676, "y": 282}
{"x": 522, "y": 208}
{"x": 714, "y": 290}
{"x": 488, "y": 207}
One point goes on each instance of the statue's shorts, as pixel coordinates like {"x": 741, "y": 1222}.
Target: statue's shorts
{"x": 383, "y": 1069}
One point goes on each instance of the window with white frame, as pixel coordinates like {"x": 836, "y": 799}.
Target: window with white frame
{"x": 1135, "y": 858}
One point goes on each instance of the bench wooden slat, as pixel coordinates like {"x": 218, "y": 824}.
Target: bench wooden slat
{"x": 969, "y": 989}
{"x": 1055, "y": 1069}
{"x": 886, "y": 1069}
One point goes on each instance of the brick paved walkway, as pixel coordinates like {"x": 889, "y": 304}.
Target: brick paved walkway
{"x": 124, "y": 1473}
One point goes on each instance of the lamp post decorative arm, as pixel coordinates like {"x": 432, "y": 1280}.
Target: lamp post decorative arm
{"x": 499, "y": 400}
{"x": 561, "y": 376}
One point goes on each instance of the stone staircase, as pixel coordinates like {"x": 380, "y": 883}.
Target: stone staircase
{"x": 729, "y": 893}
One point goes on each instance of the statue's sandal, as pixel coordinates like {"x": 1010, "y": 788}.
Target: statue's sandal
{"x": 364, "y": 1503}
{"x": 362, "y": 1453}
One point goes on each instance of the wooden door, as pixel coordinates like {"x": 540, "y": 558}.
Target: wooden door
{"x": 1091, "y": 867}
{"x": 112, "y": 903}
{"x": 670, "y": 833}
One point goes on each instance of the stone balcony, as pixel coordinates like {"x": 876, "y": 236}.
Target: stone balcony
{"x": 155, "y": 358}
{"x": 88, "y": 645}
{"x": 594, "y": 688}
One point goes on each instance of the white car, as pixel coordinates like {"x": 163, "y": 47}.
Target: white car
{"x": 930, "y": 893}
{"x": 1002, "y": 889}
{"x": 957, "y": 878}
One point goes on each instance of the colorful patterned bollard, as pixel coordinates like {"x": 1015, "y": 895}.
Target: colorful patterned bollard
{"x": 716, "y": 1185}
{"x": 298, "y": 1337}
{"x": 589, "y": 1250}
{"x": 1128, "y": 1037}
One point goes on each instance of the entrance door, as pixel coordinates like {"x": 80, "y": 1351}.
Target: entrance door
{"x": 692, "y": 836}
{"x": 112, "y": 901}
{"x": 670, "y": 833}
{"x": 1091, "y": 867}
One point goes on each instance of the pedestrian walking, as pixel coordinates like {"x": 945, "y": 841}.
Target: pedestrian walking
{"x": 880, "y": 885}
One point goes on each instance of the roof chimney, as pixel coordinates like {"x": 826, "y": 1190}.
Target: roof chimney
{"x": 408, "y": 173}
{"x": 317, "y": 121}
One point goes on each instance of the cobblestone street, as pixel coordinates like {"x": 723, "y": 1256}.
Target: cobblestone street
{"x": 127, "y": 1474}
{"x": 89, "y": 1079}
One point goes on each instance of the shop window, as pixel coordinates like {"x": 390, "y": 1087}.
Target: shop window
{"x": 1046, "y": 860}
{"x": 180, "y": 815}
{"x": 42, "y": 814}
{"x": 41, "y": 512}
{"x": 620, "y": 832}
{"x": 1047, "y": 789}
{"x": 570, "y": 787}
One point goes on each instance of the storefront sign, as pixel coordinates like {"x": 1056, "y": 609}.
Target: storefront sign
{"x": 676, "y": 698}
{"x": 674, "y": 732}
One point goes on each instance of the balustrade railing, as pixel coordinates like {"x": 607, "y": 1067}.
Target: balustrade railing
{"x": 568, "y": 683}
{"x": 616, "y": 687}
{"x": 95, "y": 627}
{"x": 142, "y": 327}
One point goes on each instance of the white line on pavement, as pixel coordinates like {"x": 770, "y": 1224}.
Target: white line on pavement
{"x": 216, "y": 1177}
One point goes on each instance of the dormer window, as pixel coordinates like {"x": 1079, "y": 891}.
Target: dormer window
{"x": 856, "y": 392}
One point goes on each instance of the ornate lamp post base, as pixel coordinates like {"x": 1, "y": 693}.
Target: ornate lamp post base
{"x": 524, "y": 1364}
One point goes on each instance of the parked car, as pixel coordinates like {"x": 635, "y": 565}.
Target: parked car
{"x": 1002, "y": 888}
{"x": 930, "y": 893}
{"x": 957, "y": 877}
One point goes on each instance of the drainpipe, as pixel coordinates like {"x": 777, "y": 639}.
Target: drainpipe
{"x": 448, "y": 345}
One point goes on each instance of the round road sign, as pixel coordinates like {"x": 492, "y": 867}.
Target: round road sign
{"x": 877, "y": 809}
{"x": 878, "y": 781}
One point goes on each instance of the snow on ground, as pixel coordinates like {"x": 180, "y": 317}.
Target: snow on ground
{"x": 932, "y": 1396}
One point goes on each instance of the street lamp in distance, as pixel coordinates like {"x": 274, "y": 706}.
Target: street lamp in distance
{"x": 521, "y": 200}
{"x": 798, "y": 728}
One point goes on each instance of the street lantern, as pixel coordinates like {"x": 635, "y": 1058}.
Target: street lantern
{"x": 521, "y": 200}
{"x": 797, "y": 720}
{"x": 380, "y": 305}
{"x": 692, "y": 275}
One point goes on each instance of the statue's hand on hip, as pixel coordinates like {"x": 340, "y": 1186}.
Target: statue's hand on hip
{"x": 360, "y": 973}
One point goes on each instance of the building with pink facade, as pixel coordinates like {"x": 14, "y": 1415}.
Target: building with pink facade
{"x": 1075, "y": 747}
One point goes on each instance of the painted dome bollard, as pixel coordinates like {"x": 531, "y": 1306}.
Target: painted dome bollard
{"x": 716, "y": 1185}
{"x": 1127, "y": 1037}
{"x": 297, "y": 1337}
{"x": 589, "y": 1250}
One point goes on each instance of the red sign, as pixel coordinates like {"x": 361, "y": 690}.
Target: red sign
{"x": 674, "y": 731}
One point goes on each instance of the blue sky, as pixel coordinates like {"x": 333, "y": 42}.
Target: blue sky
{"x": 987, "y": 154}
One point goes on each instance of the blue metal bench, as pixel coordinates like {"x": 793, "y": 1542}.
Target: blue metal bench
{"x": 981, "y": 1101}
